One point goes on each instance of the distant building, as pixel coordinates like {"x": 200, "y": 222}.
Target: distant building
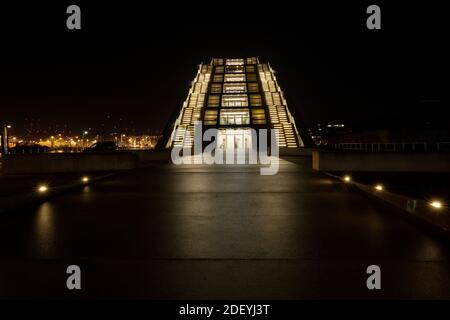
{"x": 322, "y": 133}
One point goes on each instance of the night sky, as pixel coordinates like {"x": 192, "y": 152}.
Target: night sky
{"x": 135, "y": 63}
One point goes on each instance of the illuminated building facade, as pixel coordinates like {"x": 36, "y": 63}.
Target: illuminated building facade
{"x": 233, "y": 96}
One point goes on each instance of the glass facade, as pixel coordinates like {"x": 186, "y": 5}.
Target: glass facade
{"x": 234, "y": 100}
{"x": 235, "y": 95}
{"x": 235, "y": 87}
{"x": 234, "y": 116}
{"x": 232, "y": 77}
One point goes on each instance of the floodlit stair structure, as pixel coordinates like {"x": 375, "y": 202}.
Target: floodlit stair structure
{"x": 233, "y": 96}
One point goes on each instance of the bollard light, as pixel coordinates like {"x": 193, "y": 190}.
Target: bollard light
{"x": 436, "y": 204}
{"x": 43, "y": 188}
{"x": 347, "y": 178}
{"x": 379, "y": 187}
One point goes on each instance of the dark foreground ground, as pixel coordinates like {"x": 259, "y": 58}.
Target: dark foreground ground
{"x": 206, "y": 232}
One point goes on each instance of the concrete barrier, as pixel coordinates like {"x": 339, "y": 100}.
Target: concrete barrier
{"x": 68, "y": 162}
{"x": 417, "y": 208}
{"x": 306, "y": 152}
{"x": 380, "y": 161}
{"x": 152, "y": 156}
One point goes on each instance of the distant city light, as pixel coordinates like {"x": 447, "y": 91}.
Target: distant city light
{"x": 63, "y": 143}
{"x": 379, "y": 187}
{"x": 85, "y": 179}
{"x": 436, "y": 204}
{"x": 347, "y": 178}
{"x": 42, "y": 188}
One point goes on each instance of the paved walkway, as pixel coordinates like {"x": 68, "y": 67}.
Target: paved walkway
{"x": 218, "y": 232}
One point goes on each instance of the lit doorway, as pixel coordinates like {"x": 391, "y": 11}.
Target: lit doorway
{"x": 234, "y": 138}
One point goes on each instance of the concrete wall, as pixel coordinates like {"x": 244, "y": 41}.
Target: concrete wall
{"x": 67, "y": 162}
{"x": 152, "y": 156}
{"x": 419, "y": 208}
{"x": 381, "y": 161}
{"x": 296, "y": 152}
{"x": 81, "y": 162}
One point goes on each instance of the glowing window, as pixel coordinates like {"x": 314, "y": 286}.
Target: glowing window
{"x": 250, "y": 68}
{"x": 235, "y": 62}
{"x": 210, "y": 117}
{"x": 219, "y": 69}
{"x": 196, "y": 100}
{"x": 213, "y": 100}
{"x": 216, "y": 88}
{"x": 235, "y": 69}
{"x": 234, "y": 77}
{"x": 234, "y": 100}
{"x": 253, "y": 87}
{"x": 255, "y": 100}
{"x": 218, "y": 78}
{"x": 234, "y": 116}
{"x": 252, "y": 60}
{"x": 197, "y": 87}
{"x": 276, "y": 98}
{"x": 272, "y": 86}
{"x": 269, "y": 99}
{"x": 234, "y": 88}
{"x": 258, "y": 116}
{"x": 205, "y": 69}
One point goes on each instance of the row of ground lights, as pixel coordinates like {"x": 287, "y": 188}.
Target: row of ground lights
{"x": 43, "y": 188}
{"x": 379, "y": 187}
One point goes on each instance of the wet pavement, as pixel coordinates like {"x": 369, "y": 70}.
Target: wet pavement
{"x": 219, "y": 232}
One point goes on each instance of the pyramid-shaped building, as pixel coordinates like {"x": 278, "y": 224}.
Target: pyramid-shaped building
{"x": 234, "y": 96}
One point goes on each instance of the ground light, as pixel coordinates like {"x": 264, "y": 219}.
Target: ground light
{"x": 436, "y": 204}
{"x": 42, "y": 188}
{"x": 379, "y": 187}
{"x": 347, "y": 178}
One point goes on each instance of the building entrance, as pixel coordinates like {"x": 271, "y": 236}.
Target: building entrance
{"x": 234, "y": 138}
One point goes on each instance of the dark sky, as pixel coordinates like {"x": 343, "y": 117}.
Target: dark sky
{"x": 135, "y": 62}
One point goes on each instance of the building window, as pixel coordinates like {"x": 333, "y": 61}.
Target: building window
{"x": 206, "y": 69}
{"x": 218, "y": 61}
{"x": 234, "y": 116}
{"x": 235, "y": 69}
{"x": 234, "y": 77}
{"x": 200, "y": 87}
{"x": 213, "y": 100}
{"x": 255, "y": 100}
{"x": 251, "y": 77}
{"x": 258, "y": 116}
{"x": 216, "y": 88}
{"x": 253, "y": 87}
{"x": 218, "y": 78}
{"x": 252, "y": 60}
{"x": 219, "y": 69}
{"x": 235, "y": 62}
{"x": 196, "y": 100}
{"x": 234, "y": 100}
{"x": 234, "y": 88}
{"x": 250, "y": 68}
{"x": 276, "y": 98}
{"x": 210, "y": 117}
